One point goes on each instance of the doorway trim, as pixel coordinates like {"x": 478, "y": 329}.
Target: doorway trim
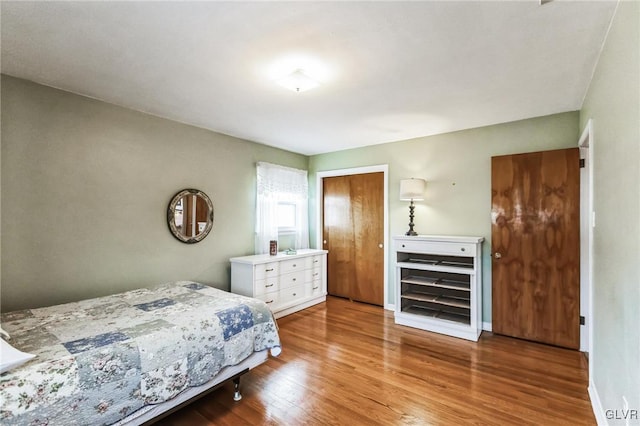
{"x": 587, "y": 223}
{"x": 384, "y": 168}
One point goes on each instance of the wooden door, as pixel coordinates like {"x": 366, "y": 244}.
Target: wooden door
{"x": 353, "y": 234}
{"x": 535, "y": 238}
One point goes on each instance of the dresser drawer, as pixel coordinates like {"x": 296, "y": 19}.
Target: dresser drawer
{"x": 265, "y": 270}
{"x": 271, "y": 299}
{"x": 316, "y": 287}
{"x": 316, "y": 262}
{"x": 434, "y": 247}
{"x": 291, "y": 294}
{"x": 265, "y": 286}
{"x": 292, "y": 279}
{"x": 313, "y": 262}
{"x": 292, "y": 265}
{"x": 312, "y": 274}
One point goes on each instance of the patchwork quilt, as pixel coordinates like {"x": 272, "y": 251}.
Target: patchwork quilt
{"x": 99, "y": 360}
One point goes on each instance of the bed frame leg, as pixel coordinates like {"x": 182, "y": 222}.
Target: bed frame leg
{"x": 237, "y": 396}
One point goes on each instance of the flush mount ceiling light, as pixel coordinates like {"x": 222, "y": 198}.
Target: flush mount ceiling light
{"x": 298, "y": 81}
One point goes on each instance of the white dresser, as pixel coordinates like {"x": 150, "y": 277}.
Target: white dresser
{"x": 287, "y": 283}
{"x": 439, "y": 284}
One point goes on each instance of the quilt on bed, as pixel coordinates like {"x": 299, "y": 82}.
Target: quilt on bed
{"x": 99, "y": 360}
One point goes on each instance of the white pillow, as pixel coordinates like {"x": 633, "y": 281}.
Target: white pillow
{"x": 10, "y": 357}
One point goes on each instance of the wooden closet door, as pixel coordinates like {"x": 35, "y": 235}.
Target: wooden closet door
{"x": 535, "y": 238}
{"x": 354, "y": 235}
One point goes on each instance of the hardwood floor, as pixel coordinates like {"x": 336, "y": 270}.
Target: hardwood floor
{"x": 348, "y": 363}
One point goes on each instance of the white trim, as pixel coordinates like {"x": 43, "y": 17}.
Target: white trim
{"x": 587, "y": 224}
{"x": 487, "y": 326}
{"x": 596, "y": 405}
{"x": 450, "y": 328}
{"x": 586, "y": 143}
{"x": 319, "y": 225}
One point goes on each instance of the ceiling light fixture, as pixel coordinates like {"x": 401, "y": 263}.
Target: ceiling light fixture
{"x": 298, "y": 81}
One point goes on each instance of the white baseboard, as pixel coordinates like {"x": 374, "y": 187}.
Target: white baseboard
{"x": 596, "y": 405}
{"x": 486, "y": 326}
{"x": 390, "y": 307}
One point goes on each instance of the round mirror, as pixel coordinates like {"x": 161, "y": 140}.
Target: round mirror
{"x": 190, "y": 215}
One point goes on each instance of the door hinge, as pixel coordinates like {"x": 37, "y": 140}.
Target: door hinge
{"x": 582, "y": 163}
{"x": 581, "y": 320}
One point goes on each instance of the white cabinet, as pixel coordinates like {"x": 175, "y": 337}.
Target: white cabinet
{"x": 287, "y": 283}
{"x": 439, "y": 284}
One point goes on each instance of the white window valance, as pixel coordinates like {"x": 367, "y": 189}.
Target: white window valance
{"x": 282, "y": 180}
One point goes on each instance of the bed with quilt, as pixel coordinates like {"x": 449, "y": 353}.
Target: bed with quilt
{"x": 127, "y": 358}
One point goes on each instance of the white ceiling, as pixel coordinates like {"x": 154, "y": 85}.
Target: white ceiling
{"x": 389, "y": 70}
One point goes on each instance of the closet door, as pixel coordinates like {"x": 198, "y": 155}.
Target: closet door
{"x": 535, "y": 242}
{"x": 353, "y": 218}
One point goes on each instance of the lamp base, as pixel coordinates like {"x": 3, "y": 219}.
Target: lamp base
{"x": 411, "y": 232}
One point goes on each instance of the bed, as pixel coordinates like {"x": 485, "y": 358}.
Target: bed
{"x": 130, "y": 357}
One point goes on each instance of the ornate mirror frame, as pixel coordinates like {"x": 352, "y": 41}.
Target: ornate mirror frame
{"x": 171, "y": 216}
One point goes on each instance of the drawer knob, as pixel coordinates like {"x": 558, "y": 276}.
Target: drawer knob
{"x": 315, "y": 261}
{"x": 294, "y": 265}
{"x": 294, "y": 294}
{"x": 316, "y": 274}
{"x": 294, "y": 279}
{"x": 403, "y": 246}
{"x": 462, "y": 249}
{"x": 270, "y": 301}
{"x": 316, "y": 287}
{"x": 269, "y": 270}
{"x": 269, "y": 285}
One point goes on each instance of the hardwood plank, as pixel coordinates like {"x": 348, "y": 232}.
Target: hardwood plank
{"x": 349, "y": 363}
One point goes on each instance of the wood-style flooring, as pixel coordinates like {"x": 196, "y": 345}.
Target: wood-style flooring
{"x": 348, "y": 363}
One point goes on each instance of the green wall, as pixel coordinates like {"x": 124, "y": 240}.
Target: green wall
{"x": 457, "y": 168}
{"x": 613, "y": 104}
{"x": 85, "y": 185}
{"x": 85, "y": 188}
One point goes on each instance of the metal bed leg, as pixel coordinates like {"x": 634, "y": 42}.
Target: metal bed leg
{"x": 237, "y": 396}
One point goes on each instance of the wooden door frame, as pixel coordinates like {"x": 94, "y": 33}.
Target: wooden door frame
{"x": 384, "y": 168}
{"x": 587, "y": 223}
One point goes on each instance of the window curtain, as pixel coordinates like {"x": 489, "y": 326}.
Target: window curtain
{"x": 277, "y": 184}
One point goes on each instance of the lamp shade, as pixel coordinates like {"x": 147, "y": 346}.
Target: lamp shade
{"x": 412, "y": 189}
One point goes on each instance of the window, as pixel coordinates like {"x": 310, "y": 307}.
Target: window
{"x": 281, "y": 206}
{"x": 286, "y": 218}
